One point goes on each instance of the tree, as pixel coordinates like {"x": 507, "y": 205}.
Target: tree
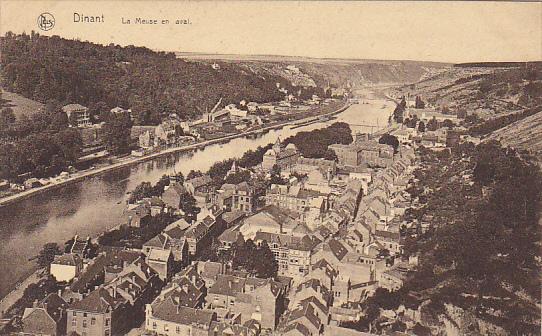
{"x": 421, "y": 127}
{"x": 240, "y": 176}
{"x": 403, "y": 103}
{"x": 419, "y": 104}
{"x": 193, "y": 174}
{"x": 158, "y": 188}
{"x": 432, "y": 125}
{"x": 257, "y": 260}
{"x": 448, "y": 123}
{"x": 187, "y": 204}
{"x": 265, "y": 265}
{"x": 143, "y": 190}
{"x": 276, "y": 178}
{"x": 47, "y": 254}
{"x": 117, "y": 132}
{"x": 389, "y": 139}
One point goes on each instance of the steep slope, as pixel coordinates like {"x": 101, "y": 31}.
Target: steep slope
{"x": 484, "y": 90}
{"x": 524, "y": 134}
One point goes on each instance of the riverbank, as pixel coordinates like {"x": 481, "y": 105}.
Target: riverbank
{"x": 16, "y": 293}
{"x": 76, "y": 177}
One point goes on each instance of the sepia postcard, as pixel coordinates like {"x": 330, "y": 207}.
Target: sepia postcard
{"x": 266, "y": 168}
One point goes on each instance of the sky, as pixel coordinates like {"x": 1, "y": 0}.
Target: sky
{"x": 429, "y": 31}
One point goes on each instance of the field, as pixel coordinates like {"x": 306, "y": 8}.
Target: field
{"x": 19, "y": 104}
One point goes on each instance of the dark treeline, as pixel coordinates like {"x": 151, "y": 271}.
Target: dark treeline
{"x": 41, "y": 144}
{"x": 494, "y": 124}
{"x": 151, "y": 83}
{"x": 313, "y": 144}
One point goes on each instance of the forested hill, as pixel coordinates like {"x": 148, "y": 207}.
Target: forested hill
{"x": 101, "y": 77}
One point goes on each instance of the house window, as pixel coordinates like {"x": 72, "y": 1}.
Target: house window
{"x": 178, "y": 330}
{"x": 166, "y": 327}
{"x": 93, "y": 321}
{"x": 107, "y": 332}
{"x": 84, "y": 323}
{"x": 84, "y": 314}
{"x": 107, "y": 322}
{"x": 74, "y": 313}
{"x": 74, "y": 322}
{"x": 154, "y": 325}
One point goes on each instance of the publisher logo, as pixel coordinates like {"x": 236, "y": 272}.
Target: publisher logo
{"x": 46, "y": 21}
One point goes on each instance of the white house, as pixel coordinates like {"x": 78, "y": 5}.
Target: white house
{"x": 66, "y": 267}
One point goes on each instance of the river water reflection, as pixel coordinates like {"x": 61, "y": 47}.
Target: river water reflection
{"x": 96, "y": 204}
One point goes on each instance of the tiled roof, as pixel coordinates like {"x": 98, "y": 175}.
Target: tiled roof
{"x": 98, "y": 301}
{"x": 299, "y": 327}
{"x": 157, "y": 241}
{"x": 229, "y": 236}
{"x": 227, "y": 285}
{"x": 227, "y": 329}
{"x": 53, "y": 305}
{"x": 230, "y": 217}
{"x": 211, "y": 269}
{"x": 159, "y": 255}
{"x": 67, "y": 259}
{"x": 117, "y": 257}
{"x": 317, "y": 286}
{"x": 337, "y": 248}
{"x": 196, "y": 231}
{"x": 307, "y": 310}
{"x": 177, "y": 188}
{"x": 167, "y": 310}
{"x": 395, "y": 236}
{"x": 185, "y": 294}
{"x": 200, "y": 181}
{"x": 190, "y": 273}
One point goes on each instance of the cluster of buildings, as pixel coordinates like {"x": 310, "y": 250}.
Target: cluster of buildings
{"x": 103, "y": 295}
{"x": 364, "y": 152}
{"x": 332, "y": 227}
{"x": 438, "y": 139}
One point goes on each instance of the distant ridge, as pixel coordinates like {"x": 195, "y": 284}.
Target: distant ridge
{"x": 283, "y": 58}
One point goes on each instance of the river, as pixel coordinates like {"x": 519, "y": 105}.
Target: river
{"x": 94, "y": 205}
